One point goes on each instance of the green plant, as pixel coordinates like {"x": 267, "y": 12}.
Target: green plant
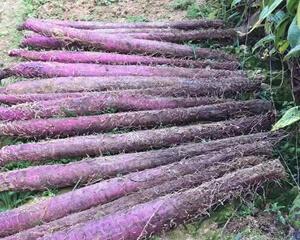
{"x": 276, "y": 209}
{"x": 9, "y": 200}
{"x": 202, "y": 11}
{"x": 294, "y": 215}
{"x": 105, "y": 2}
{"x": 291, "y": 116}
{"x": 194, "y": 10}
{"x": 246, "y": 209}
{"x": 280, "y": 21}
{"x": 182, "y": 4}
{"x": 32, "y": 7}
{"x": 280, "y": 46}
{"x": 135, "y": 19}
{"x": 50, "y": 193}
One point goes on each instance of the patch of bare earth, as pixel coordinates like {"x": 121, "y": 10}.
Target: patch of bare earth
{"x": 119, "y": 11}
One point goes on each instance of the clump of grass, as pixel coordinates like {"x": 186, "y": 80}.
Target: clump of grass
{"x": 32, "y": 7}
{"x": 182, "y": 4}
{"x": 50, "y": 193}
{"x": 109, "y": 110}
{"x": 202, "y": 11}
{"x": 17, "y": 165}
{"x": 9, "y": 200}
{"x": 194, "y": 10}
{"x": 105, "y": 2}
{"x": 134, "y": 19}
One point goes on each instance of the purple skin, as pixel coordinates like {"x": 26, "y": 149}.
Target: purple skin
{"x": 54, "y": 69}
{"x": 183, "y": 183}
{"x": 161, "y": 214}
{"x": 93, "y": 169}
{"x": 107, "y": 122}
{"x": 95, "y": 145}
{"x": 132, "y": 30}
{"x": 24, "y": 98}
{"x": 92, "y": 105}
{"x": 87, "y": 84}
{"x": 164, "y": 92}
{"x": 39, "y": 41}
{"x": 120, "y": 44}
{"x": 186, "y": 25}
{"x": 105, "y": 191}
{"x": 114, "y": 58}
{"x": 222, "y": 36}
{"x": 230, "y": 86}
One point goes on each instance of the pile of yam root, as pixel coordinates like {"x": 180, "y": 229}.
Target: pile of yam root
{"x": 152, "y": 125}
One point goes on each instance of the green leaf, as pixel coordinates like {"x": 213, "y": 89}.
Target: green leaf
{"x": 235, "y": 2}
{"x": 268, "y": 9}
{"x": 281, "y": 27}
{"x": 262, "y": 42}
{"x": 291, "y": 116}
{"x": 294, "y": 215}
{"x": 281, "y": 31}
{"x": 294, "y": 34}
{"x": 294, "y": 52}
{"x": 298, "y": 15}
{"x": 282, "y": 46}
{"x": 266, "y": 12}
{"x": 277, "y": 17}
{"x": 291, "y": 6}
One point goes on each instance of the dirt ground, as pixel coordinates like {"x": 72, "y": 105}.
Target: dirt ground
{"x": 87, "y": 10}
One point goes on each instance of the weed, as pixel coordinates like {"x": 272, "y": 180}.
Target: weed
{"x": 50, "y": 193}
{"x": 194, "y": 11}
{"x": 9, "y": 200}
{"x": 276, "y": 208}
{"x": 17, "y": 165}
{"x": 135, "y": 19}
{"x": 105, "y": 2}
{"x": 109, "y": 110}
{"x": 202, "y": 11}
{"x": 182, "y": 4}
{"x": 32, "y": 7}
{"x": 223, "y": 214}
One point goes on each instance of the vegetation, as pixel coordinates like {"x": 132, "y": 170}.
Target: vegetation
{"x": 195, "y": 10}
{"x": 270, "y": 45}
{"x": 275, "y": 27}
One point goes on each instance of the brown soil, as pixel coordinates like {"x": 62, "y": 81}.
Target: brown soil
{"x": 121, "y": 11}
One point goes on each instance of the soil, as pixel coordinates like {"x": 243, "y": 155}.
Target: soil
{"x": 120, "y": 11}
